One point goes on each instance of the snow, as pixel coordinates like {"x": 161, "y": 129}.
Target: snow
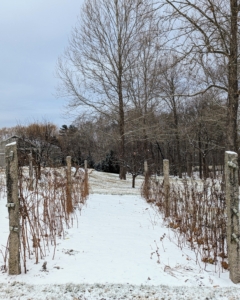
{"x": 11, "y": 144}
{"x": 231, "y": 152}
{"x": 119, "y": 248}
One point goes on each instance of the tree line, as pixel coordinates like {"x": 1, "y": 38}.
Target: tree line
{"x": 195, "y": 143}
{"x": 148, "y": 80}
{"x": 163, "y": 73}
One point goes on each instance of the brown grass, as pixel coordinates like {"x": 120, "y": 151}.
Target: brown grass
{"x": 45, "y": 211}
{"x": 197, "y": 216}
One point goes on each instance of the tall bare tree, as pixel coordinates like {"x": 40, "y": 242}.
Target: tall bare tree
{"x": 208, "y": 36}
{"x": 93, "y": 67}
{"x": 174, "y": 83}
{"x": 143, "y": 83}
{"x": 205, "y": 120}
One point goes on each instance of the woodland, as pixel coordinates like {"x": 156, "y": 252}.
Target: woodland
{"x": 147, "y": 80}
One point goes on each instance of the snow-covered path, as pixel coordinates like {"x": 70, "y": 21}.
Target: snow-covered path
{"x": 114, "y": 251}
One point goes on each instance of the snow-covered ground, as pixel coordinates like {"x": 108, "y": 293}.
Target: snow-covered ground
{"x": 119, "y": 248}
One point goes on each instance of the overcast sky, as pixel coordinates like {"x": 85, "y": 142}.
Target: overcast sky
{"x": 33, "y": 34}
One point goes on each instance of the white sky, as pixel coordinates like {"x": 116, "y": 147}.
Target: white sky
{"x": 33, "y": 34}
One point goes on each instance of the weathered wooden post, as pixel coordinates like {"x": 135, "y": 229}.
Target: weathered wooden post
{"x": 69, "y": 205}
{"x": 166, "y": 186}
{"x": 85, "y": 190}
{"x": 134, "y": 169}
{"x": 146, "y": 183}
{"x": 30, "y": 172}
{"x": 14, "y": 267}
{"x": 232, "y": 202}
{"x": 86, "y": 171}
{"x": 145, "y": 168}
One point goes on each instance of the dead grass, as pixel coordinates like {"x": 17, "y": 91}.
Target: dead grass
{"x": 47, "y": 209}
{"x": 197, "y": 216}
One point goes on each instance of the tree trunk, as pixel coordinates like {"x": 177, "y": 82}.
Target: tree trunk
{"x": 122, "y": 174}
{"x": 213, "y": 166}
{"x": 189, "y": 165}
{"x": 232, "y": 107}
{"x": 38, "y": 171}
{"x": 205, "y": 172}
{"x": 200, "y": 156}
{"x": 145, "y": 143}
{"x": 133, "y": 180}
{"x": 179, "y": 160}
{"x": 179, "y": 156}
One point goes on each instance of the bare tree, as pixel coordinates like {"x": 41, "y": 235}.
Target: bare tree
{"x": 44, "y": 136}
{"x": 143, "y": 84}
{"x": 205, "y": 119}
{"x": 173, "y": 83}
{"x": 93, "y": 67}
{"x": 6, "y": 132}
{"x": 208, "y": 38}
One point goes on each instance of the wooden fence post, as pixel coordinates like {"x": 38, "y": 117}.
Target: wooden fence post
{"x": 30, "y": 172}
{"x": 166, "y": 186}
{"x": 85, "y": 191}
{"x": 11, "y": 157}
{"x": 69, "y": 205}
{"x": 145, "y": 167}
{"x": 232, "y": 202}
{"x": 86, "y": 171}
{"x": 85, "y": 164}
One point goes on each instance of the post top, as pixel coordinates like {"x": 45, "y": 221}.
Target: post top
{"x": 230, "y": 152}
{"x": 11, "y": 144}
